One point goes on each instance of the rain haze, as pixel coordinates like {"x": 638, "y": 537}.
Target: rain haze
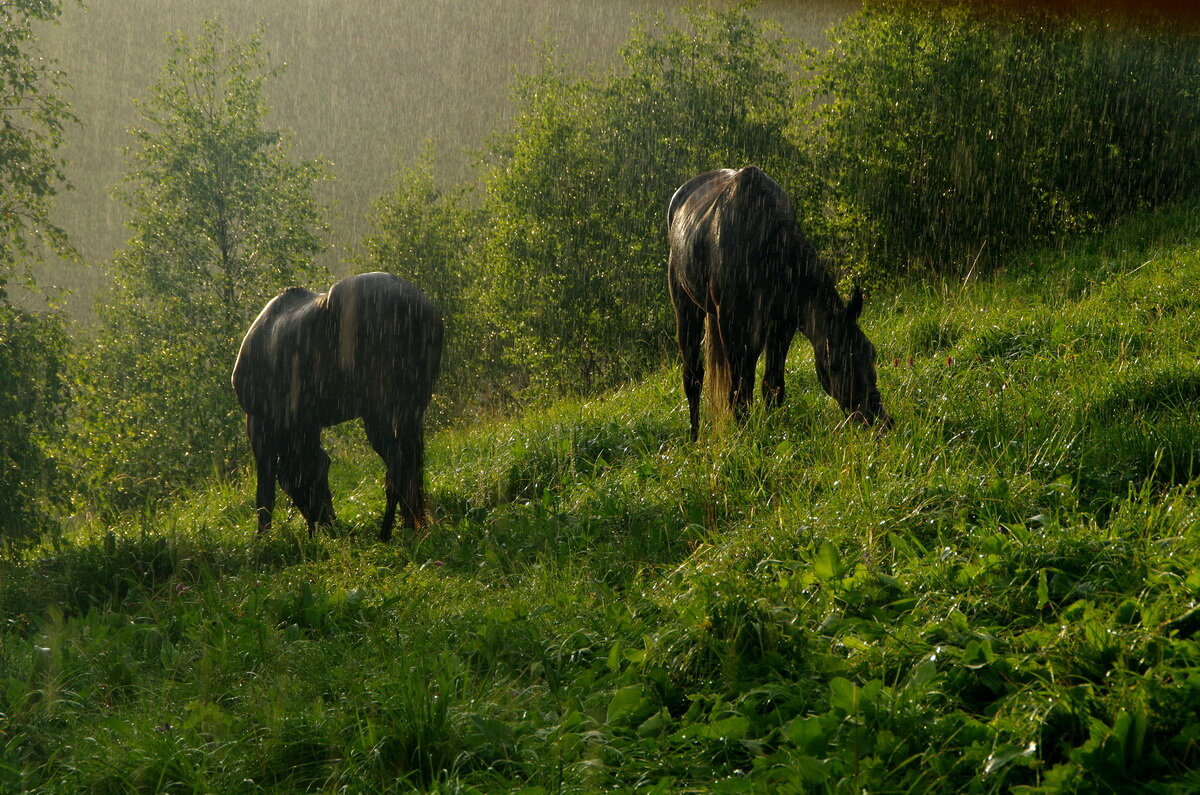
{"x": 429, "y": 450}
{"x": 365, "y": 86}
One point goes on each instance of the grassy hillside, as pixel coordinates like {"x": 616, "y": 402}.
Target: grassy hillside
{"x": 993, "y": 597}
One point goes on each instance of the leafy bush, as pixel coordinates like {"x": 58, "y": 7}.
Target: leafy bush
{"x": 950, "y": 137}
{"x": 33, "y": 115}
{"x": 33, "y": 347}
{"x": 429, "y": 236}
{"x": 577, "y": 192}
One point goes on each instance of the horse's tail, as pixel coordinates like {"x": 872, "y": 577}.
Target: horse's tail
{"x": 719, "y": 376}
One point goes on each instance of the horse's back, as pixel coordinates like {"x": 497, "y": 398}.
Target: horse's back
{"x": 380, "y": 299}
{"x": 698, "y": 192}
{"x": 382, "y": 314}
{"x": 389, "y": 335}
{"x": 724, "y": 189}
{"x": 373, "y": 338}
{"x": 755, "y": 217}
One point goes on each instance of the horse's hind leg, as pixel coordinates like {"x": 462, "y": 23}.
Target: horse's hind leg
{"x": 689, "y": 325}
{"x": 266, "y": 462}
{"x": 744, "y": 347}
{"x": 401, "y": 445}
{"x": 741, "y": 393}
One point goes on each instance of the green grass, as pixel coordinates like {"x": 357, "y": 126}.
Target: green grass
{"x": 993, "y": 597}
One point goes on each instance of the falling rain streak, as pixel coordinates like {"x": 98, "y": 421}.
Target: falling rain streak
{"x": 454, "y": 221}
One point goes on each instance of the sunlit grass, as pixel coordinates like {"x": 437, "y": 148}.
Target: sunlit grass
{"x": 993, "y": 595}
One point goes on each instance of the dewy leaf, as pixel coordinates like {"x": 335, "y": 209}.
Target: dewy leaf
{"x": 808, "y": 734}
{"x": 727, "y": 729}
{"x": 976, "y": 655}
{"x": 1005, "y": 754}
{"x": 843, "y": 694}
{"x": 625, "y": 702}
{"x": 826, "y": 563}
{"x": 1043, "y": 590}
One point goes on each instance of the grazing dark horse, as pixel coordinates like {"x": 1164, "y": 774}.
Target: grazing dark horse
{"x": 371, "y": 347}
{"x": 743, "y": 277}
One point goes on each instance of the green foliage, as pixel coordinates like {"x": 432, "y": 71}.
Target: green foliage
{"x": 34, "y": 114}
{"x": 425, "y": 234}
{"x": 972, "y": 602}
{"x": 32, "y": 346}
{"x": 950, "y": 137}
{"x": 223, "y": 218}
{"x": 33, "y": 399}
{"x": 576, "y": 192}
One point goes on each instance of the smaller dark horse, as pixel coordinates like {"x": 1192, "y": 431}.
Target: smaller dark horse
{"x": 743, "y": 277}
{"x": 371, "y": 347}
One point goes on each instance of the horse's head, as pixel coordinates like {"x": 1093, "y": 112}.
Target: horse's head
{"x": 845, "y": 361}
{"x": 305, "y": 478}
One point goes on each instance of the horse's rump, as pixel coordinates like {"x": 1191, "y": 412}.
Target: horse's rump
{"x": 734, "y": 254}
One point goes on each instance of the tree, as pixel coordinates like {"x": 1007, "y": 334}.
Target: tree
{"x": 577, "y": 191}
{"x": 223, "y": 218}
{"x": 32, "y": 117}
{"x": 32, "y": 345}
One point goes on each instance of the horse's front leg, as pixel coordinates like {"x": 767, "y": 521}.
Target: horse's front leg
{"x": 778, "y": 341}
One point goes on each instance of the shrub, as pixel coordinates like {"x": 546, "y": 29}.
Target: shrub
{"x": 33, "y": 398}
{"x": 428, "y": 235}
{"x": 950, "y": 138}
{"x": 33, "y": 392}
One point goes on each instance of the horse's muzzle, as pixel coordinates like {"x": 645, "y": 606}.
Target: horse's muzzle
{"x": 873, "y": 414}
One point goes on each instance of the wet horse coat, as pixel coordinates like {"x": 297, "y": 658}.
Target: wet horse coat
{"x": 370, "y": 347}
{"x": 743, "y": 278}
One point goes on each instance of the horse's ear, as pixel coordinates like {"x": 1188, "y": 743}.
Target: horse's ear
{"x": 855, "y": 307}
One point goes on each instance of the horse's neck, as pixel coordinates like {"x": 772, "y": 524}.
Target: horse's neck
{"x": 818, "y": 300}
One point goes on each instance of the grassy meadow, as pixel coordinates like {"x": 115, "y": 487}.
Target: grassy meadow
{"x": 993, "y": 597}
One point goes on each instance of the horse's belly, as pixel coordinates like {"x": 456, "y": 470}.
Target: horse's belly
{"x": 332, "y": 408}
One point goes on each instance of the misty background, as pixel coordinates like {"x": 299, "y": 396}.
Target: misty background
{"x": 364, "y": 85}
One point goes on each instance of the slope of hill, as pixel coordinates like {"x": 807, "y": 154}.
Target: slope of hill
{"x": 996, "y": 595}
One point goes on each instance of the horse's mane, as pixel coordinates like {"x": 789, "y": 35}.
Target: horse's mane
{"x": 818, "y": 283}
